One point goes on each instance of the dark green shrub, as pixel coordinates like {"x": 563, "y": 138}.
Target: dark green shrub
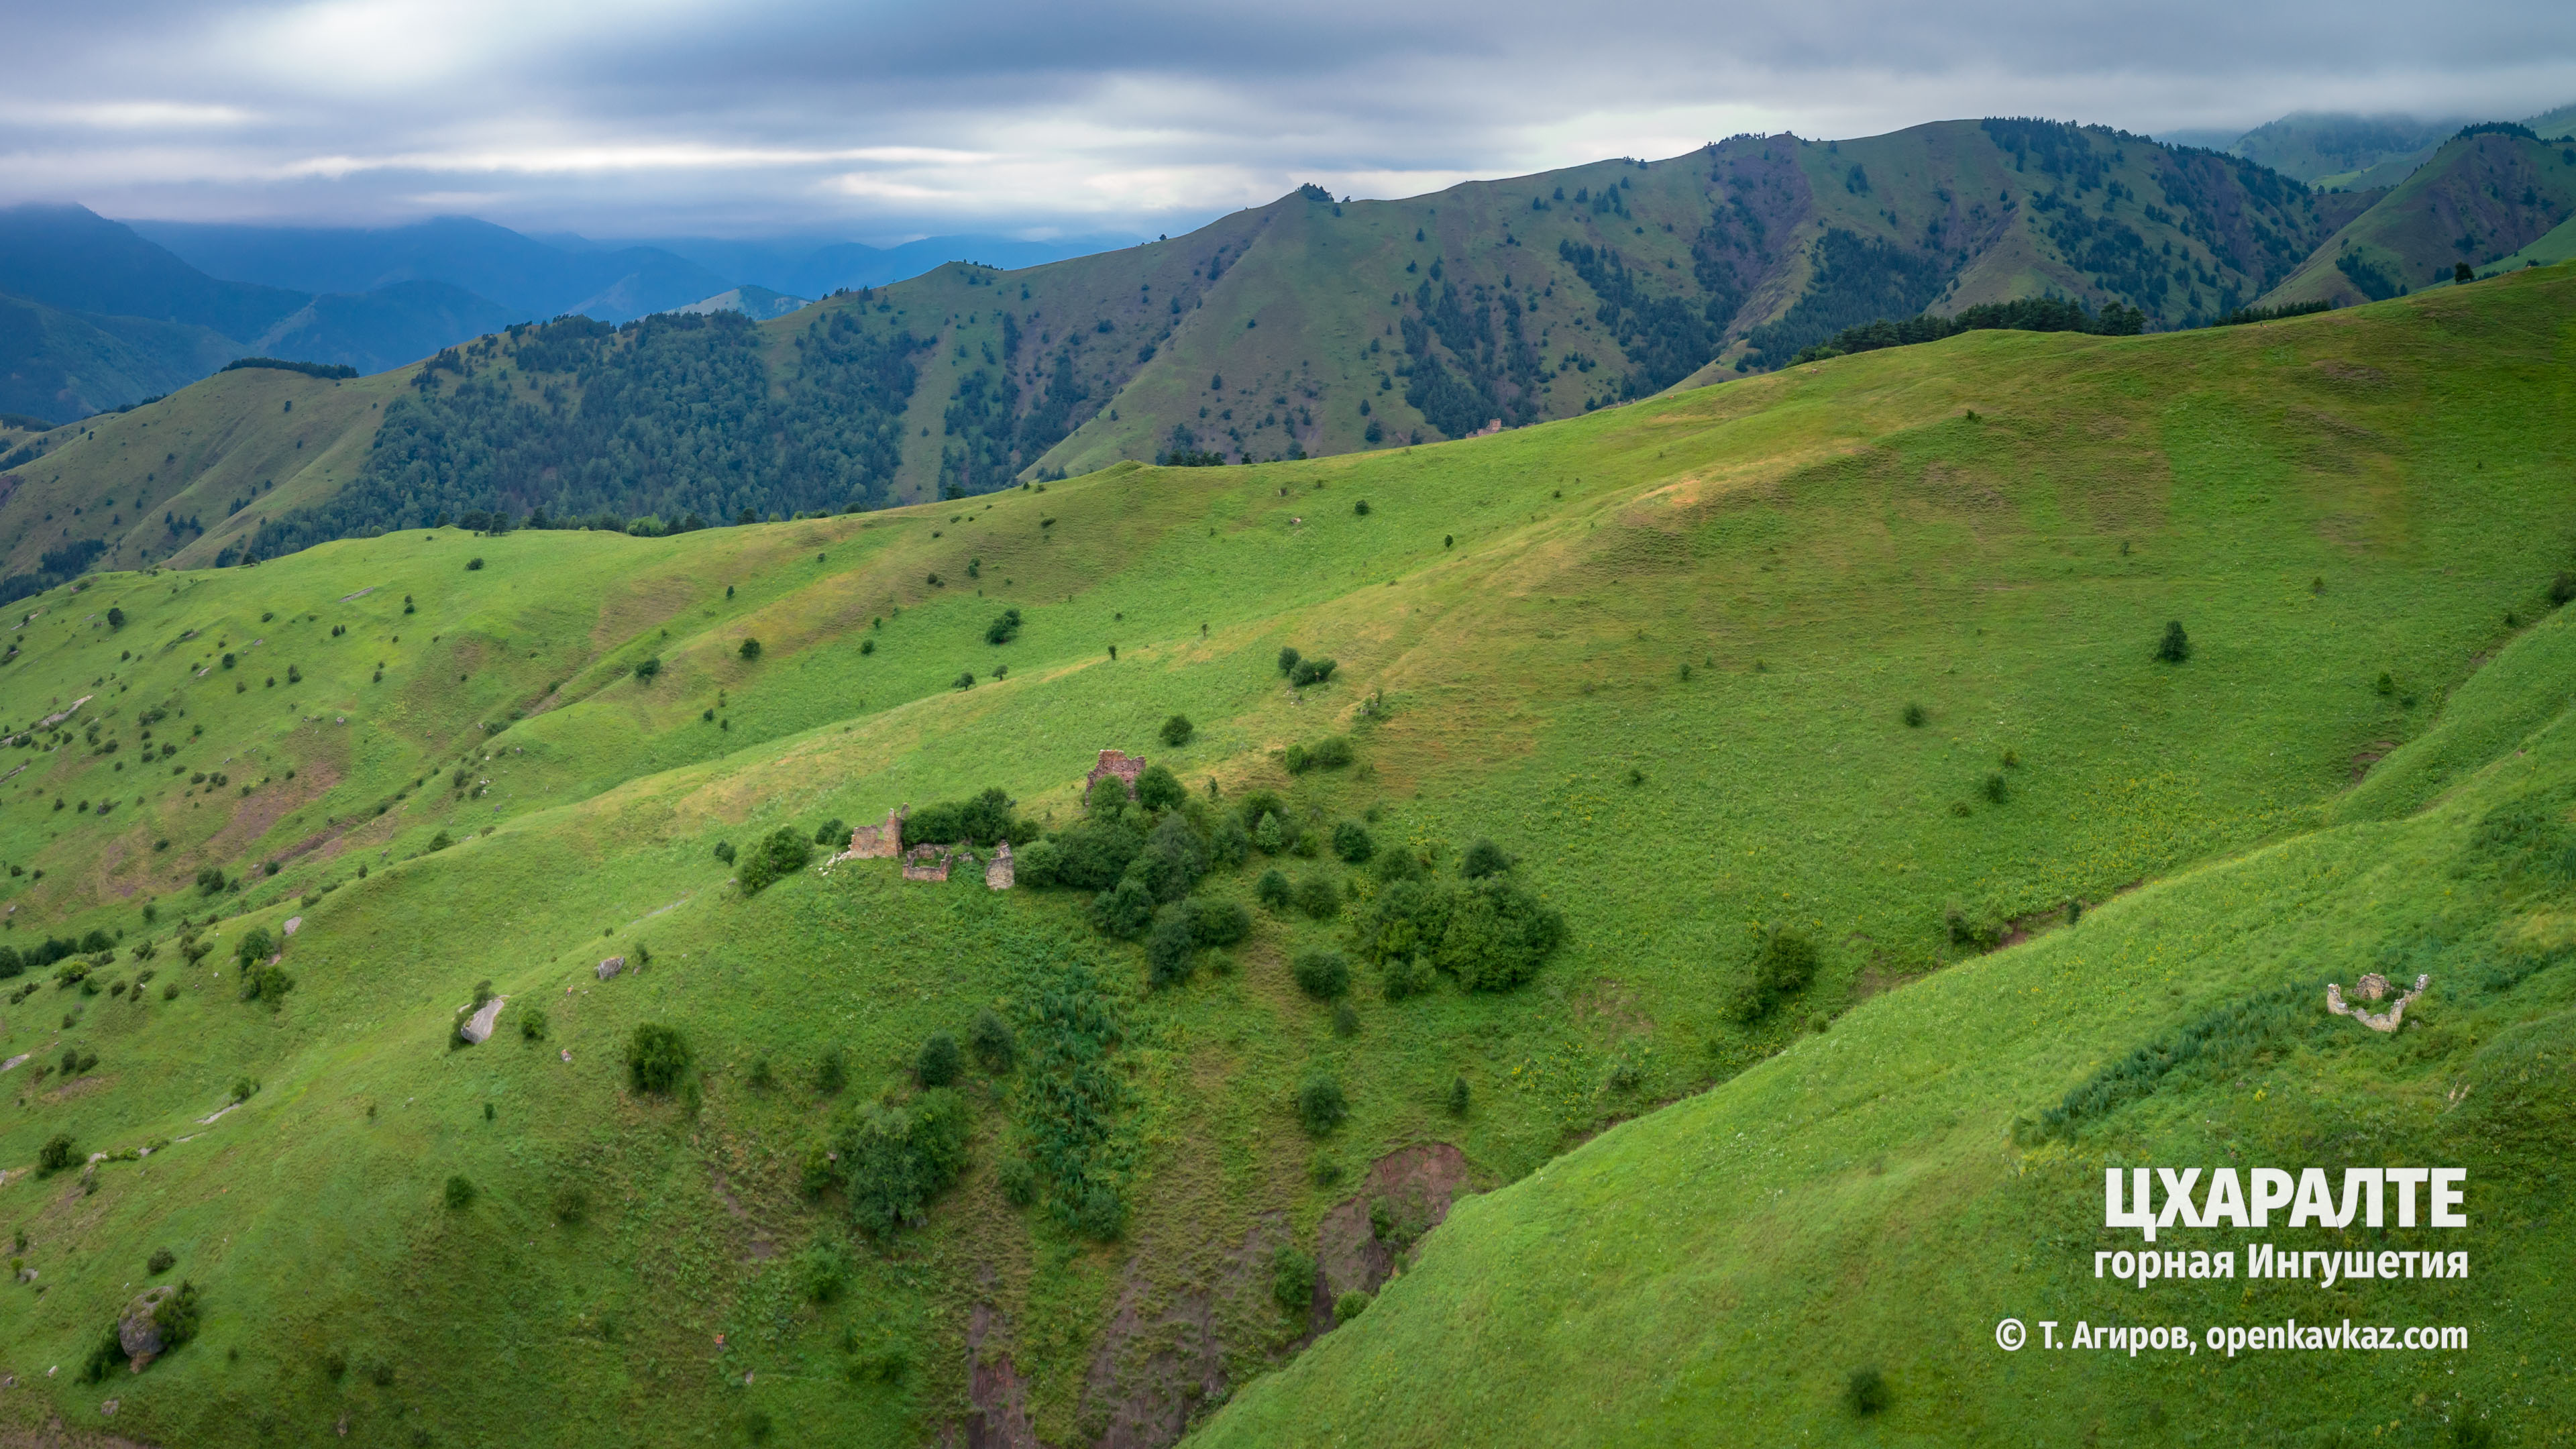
{"x": 824, "y": 1271}
{"x": 1355, "y": 1302}
{"x": 460, "y": 1193}
{"x": 1125, "y": 910}
{"x": 1018, "y": 1181}
{"x": 1867, "y": 1392}
{"x": 1996, "y": 789}
{"x": 1219, "y": 923}
{"x": 1229, "y": 844}
{"x": 1272, "y": 889}
{"x": 1320, "y": 1104}
{"x": 750, "y": 649}
{"x": 1484, "y": 858}
{"x": 1292, "y": 1281}
{"x": 255, "y": 945}
{"x": 964, "y": 680}
{"x": 1352, "y": 843}
{"x": 105, "y": 1357}
{"x": 1256, "y": 804}
{"x": 1310, "y": 671}
{"x": 646, "y": 670}
{"x": 1459, "y": 1096}
{"x": 1297, "y": 760}
{"x": 657, "y": 1059}
{"x": 267, "y": 983}
{"x": 1390, "y": 866}
{"x": 1782, "y": 966}
{"x": 1004, "y": 628}
{"x": 833, "y": 832}
{"x": 1318, "y": 897}
{"x": 1330, "y": 753}
{"x": 896, "y": 1159}
{"x": 161, "y": 1262}
{"x": 1287, "y": 660}
{"x": 1159, "y": 789}
{"x": 532, "y": 1023}
{"x": 1177, "y": 731}
{"x": 1269, "y": 834}
{"x": 938, "y": 1062}
{"x": 1094, "y": 855}
{"x": 1168, "y": 947}
{"x": 570, "y": 1203}
{"x": 831, "y": 1071}
{"x": 1914, "y": 716}
{"x": 777, "y": 857}
{"x": 1403, "y": 976}
{"x": 2175, "y": 647}
{"x": 1346, "y": 1019}
{"x": 992, "y": 1042}
{"x": 724, "y": 851}
{"x": 56, "y": 1154}
{"x": 473, "y": 565}
{"x": 1323, "y": 975}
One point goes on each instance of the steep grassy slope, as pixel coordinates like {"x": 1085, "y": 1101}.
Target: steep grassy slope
{"x": 1662, "y": 654}
{"x": 1875, "y": 1200}
{"x": 2479, "y": 198}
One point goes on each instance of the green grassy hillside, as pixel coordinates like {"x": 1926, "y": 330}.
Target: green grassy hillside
{"x": 1863, "y": 652}
{"x": 1873, "y": 1201}
{"x": 1304, "y": 328}
{"x": 2480, "y": 198}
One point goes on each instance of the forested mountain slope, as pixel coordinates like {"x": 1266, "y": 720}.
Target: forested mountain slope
{"x": 1649, "y": 742}
{"x": 2480, "y": 198}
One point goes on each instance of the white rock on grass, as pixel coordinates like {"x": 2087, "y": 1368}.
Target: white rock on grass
{"x": 479, "y": 1028}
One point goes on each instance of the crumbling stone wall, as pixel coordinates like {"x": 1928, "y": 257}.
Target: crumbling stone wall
{"x": 1119, "y": 763}
{"x": 880, "y": 842}
{"x": 926, "y": 862}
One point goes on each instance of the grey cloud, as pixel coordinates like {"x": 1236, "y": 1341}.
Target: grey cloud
{"x": 1133, "y": 115}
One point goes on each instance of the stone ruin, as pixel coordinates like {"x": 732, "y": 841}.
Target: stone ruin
{"x": 2370, "y": 989}
{"x": 1119, "y": 763}
{"x": 997, "y": 875}
{"x": 879, "y": 842}
{"x": 927, "y": 862}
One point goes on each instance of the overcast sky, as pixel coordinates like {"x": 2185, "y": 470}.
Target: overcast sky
{"x": 881, "y": 121}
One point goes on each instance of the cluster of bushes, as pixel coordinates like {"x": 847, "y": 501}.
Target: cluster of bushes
{"x": 1484, "y": 929}
{"x": 1327, "y": 754}
{"x": 783, "y": 853}
{"x": 1074, "y": 1097}
{"x": 984, "y": 820}
{"x": 894, "y": 1158}
{"x": 1782, "y": 966}
{"x": 1303, "y": 671}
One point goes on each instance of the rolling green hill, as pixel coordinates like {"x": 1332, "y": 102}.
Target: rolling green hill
{"x": 1305, "y": 328}
{"x": 2479, "y": 199}
{"x": 1856, "y": 659}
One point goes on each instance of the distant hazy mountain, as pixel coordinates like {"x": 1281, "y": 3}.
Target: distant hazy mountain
{"x": 816, "y": 267}
{"x": 72, "y": 258}
{"x": 387, "y": 327}
{"x": 59, "y": 365}
{"x": 529, "y": 278}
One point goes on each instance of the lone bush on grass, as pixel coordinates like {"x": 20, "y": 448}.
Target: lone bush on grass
{"x": 1318, "y": 897}
{"x": 831, "y": 1071}
{"x": 657, "y": 1059}
{"x": 782, "y": 854}
{"x": 1320, "y": 1104}
{"x": 1310, "y": 672}
{"x": 992, "y": 1042}
{"x": 1323, "y": 975}
{"x": 1288, "y": 657}
{"x": 532, "y": 1024}
{"x": 161, "y": 1262}
{"x": 55, "y": 1155}
{"x": 1867, "y": 1392}
{"x": 1484, "y": 858}
{"x": 1996, "y": 789}
{"x": 460, "y": 1193}
{"x": 1292, "y": 1281}
{"x": 1914, "y": 716}
{"x": 1177, "y": 731}
{"x": 2175, "y": 647}
{"x": 938, "y": 1062}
